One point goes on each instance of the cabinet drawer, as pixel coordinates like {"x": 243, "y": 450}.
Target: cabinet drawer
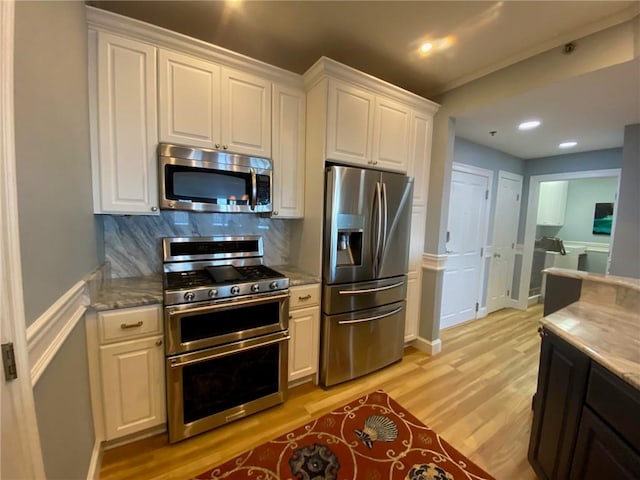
{"x": 304, "y": 296}
{"x": 128, "y": 323}
{"x": 616, "y": 402}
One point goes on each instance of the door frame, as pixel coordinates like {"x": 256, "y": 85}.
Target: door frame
{"x": 531, "y": 217}
{"x": 516, "y": 177}
{"x": 25, "y": 453}
{"x": 482, "y": 287}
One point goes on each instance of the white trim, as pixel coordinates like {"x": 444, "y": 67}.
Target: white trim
{"x": 591, "y": 246}
{"x": 24, "y": 456}
{"x": 96, "y": 461}
{"x": 434, "y": 262}
{"x": 433, "y": 347}
{"x": 530, "y": 226}
{"x": 48, "y": 333}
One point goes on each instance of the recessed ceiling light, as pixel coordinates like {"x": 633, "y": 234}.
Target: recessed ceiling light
{"x": 426, "y": 47}
{"x": 567, "y": 144}
{"x": 528, "y": 125}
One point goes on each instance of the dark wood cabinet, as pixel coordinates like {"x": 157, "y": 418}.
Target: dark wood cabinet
{"x": 557, "y": 407}
{"x": 586, "y": 420}
{"x": 601, "y": 453}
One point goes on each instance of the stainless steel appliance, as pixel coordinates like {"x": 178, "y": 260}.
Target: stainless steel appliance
{"x": 365, "y": 259}
{"x": 226, "y": 328}
{"x": 202, "y": 180}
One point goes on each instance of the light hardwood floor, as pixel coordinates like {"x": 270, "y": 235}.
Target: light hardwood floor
{"x": 476, "y": 394}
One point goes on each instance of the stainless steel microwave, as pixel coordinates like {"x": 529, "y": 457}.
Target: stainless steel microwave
{"x": 202, "y": 180}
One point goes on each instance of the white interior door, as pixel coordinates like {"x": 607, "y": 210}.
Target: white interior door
{"x": 505, "y": 234}
{"x": 466, "y": 231}
{"x": 20, "y": 453}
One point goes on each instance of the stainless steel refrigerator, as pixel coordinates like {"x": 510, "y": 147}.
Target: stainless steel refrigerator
{"x": 365, "y": 258}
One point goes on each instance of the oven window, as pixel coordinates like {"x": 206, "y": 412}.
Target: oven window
{"x": 213, "y": 386}
{"x": 221, "y": 322}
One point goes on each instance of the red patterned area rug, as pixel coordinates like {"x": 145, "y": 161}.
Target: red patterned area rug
{"x": 370, "y": 438}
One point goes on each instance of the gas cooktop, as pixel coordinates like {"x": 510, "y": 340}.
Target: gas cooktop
{"x": 200, "y": 269}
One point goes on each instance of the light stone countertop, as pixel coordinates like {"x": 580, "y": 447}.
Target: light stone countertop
{"x": 604, "y": 323}
{"x": 114, "y": 293}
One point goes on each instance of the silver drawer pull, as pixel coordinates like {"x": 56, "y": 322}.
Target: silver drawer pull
{"x": 370, "y": 290}
{"x": 125, "y": 326}
{"x": 306, "y": 297}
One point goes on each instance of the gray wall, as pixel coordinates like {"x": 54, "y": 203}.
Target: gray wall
{"x": 58, "y": 235}
{"x": 57, "y": 227}
{"x": 625, "y": 259}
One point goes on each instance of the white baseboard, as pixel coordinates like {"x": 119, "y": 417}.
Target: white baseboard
{"x": 48, "y": 333}
{"x": 96, "y": 461}
{"x": 429, "y": 347}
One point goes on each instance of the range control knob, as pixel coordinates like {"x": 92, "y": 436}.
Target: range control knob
{"x": 255, "y": 287}
{"x": 235, "y": 290}
{"x": 273, "y": 285}
{"x": 213, "y": 292}
{"x": 189, "y": 296}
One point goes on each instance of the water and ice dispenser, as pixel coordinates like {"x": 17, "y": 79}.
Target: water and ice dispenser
{"x": 349, "y": 248}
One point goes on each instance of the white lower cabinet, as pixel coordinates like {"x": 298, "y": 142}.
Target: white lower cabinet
{"x": 304, "y": 327}
{"x": 126, "y": 365}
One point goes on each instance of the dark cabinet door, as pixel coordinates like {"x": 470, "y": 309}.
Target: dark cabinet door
{"x": 562, "y": 381}
{"x": 600, "y": 453}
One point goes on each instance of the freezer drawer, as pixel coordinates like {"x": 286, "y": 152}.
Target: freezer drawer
{"x": 358, "y": 343}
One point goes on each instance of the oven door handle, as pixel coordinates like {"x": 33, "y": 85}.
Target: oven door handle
{"x": 199, "y": 356}
{"x": 254, "y": 188}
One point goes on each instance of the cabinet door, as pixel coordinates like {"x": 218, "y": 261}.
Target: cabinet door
{"x": 349, "y": 123}
{"x": 420, "y": 156}
{"x": 189, "y": 100}
{"x": 246, "y": 113}
{"x": 288, "y": 151}
{"x": 133, "y": 386}
{"x": 391, "y": 128}
{"x": 552, "y": 203}
{"x": 601, "y": 453}
{"x": 562, "y": 382}
{"x": 304, "y": 325}
{"x": 125, "y": 126}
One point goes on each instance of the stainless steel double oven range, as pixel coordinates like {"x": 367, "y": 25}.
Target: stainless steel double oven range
{"x": 226, "y": 328}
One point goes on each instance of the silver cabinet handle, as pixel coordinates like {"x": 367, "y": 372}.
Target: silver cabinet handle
{"x": 217, "y": 145}
{"x": 154, "y": 209}
{"x": 125, "y": 326}
{"x": 370, "y": 290}
{"x": 224, "y": 147}
{"x": 369, "y": 319}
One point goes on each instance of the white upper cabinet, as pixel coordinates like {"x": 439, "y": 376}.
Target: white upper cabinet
{"x": 364, "y": 121}
{"x": 349, "y": 123}
{"x": 189, "y": 91}
{"x": 207, "y": 105}
{"x": 246, "y": 113}
{"x": 552, "y": 203}
{"x": 288, "y": 129}
{"x": 124, "y": 133}
{"x": 420, "y": 156}
{"x": 391, "y": 128}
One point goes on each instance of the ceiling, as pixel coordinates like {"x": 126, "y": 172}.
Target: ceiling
{"x": 469, "y": 39}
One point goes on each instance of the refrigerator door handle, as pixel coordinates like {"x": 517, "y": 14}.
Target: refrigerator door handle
{"x": 384, "y": 214}
{"x": 377, "y": 230}
{"x": 370, "y": 319}
{"x": 370, "y": 290}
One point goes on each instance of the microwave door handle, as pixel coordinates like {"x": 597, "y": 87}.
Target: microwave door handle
{"x": 254, "y": 189}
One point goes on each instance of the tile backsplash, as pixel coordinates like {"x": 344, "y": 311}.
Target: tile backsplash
{"x": 133, "y": 244}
